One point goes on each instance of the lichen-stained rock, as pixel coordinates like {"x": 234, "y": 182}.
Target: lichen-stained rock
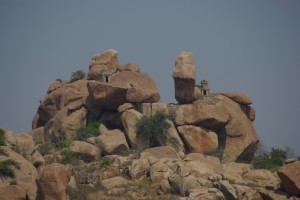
{"x": 184, "y": 74}
{"x": 238, "y": 97}
{"x": 209, "y": 114}
{"x": 129, "y": 67}
{"x": 106, "y": 61}
{"x": 202, "y": 165}
{"x": 64, "y": 124}
{"x": 290, "y": 178}
{"x": 198, "y": 140}
{"x": 87, "y": 151}
{"x": 129, "y": 119}
{"x": 238, "y": 137}
{"x": 12, "y": 192}
{"x": 54, "y": 181}
{"x": 25, "y": 177}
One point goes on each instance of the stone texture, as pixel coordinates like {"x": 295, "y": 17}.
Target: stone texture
{"x": 290, "y": 179}
{"x": 26, "y": 176}
{"x": 109, "y": 96}
{"x": 139, "y": 95}
{"x": 112, "y": 119}
{"x": 71, "y": 96}
{"x": 87, "y": 151}
{"x": 270, "y": 195}
{"x": 139, "y": 168}
{"x": 115, "y": 182}
{"x": 64, "y": 124}
{"x": 202, "y": 165}
{"x": 37, "y": 135}
{"x": 239, "y": 137}
{"x": 12, "y": 192}
{"x": 238, "y": 97}
{"x": 262, "y": 178}
{"x": 228, "y": 190}
{"x": 125, "y": 106}
{"x": 112, "y": 141}
{"x": 53, "y": 182}
{"x": 106, "y": 61}
{"x": 198, "y": 140}
{"x": 160, "y": 152}
{"x": 184, "y": 74}
{"x": 249, "y": 112}
{"x": 129, "y": 67}
{"x": 173, "y": 140}
{"x": 129, "y": 119}
{"x": 201, "y": 113}
{"x": 247, "y": 193}
{"x": 159, "y": 171}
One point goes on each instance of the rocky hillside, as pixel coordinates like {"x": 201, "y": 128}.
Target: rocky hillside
{"x": 107, "y": 136}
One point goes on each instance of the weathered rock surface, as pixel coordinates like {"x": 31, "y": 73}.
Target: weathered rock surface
{"x": 25, "y": 177}
{"x": 37, "y": 135}
{"x": 138, "y": 95}
{"x": 290, "y": 178}
{"x": 115, "y": 182}
{"x": 184, "y": 74}
{"x": 53, "y": 182}
{"x": 202, "y": 165}
{"x": 112, "y": 141}
{"x": 12, "y": 192}
{"x": 63, "y": 125}
{"x": 129, "y": 67}
{"x": 209, "y": 115}
{"x": 160, "y": 152}
{"x": 87, "y": 151}
{"x": 129, "y": 119}
{"x": 198, "y": 140}
{"x": 238, "y": 97}
{"x": 106, "y": 61}
{"x": 173, "y": 140}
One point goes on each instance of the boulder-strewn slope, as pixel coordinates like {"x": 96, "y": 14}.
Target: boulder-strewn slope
{"x": 206, "y": 134}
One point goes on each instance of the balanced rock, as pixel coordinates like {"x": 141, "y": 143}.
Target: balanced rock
{"x": 184, "y": 74}
{"x": 290, "y": 179}
{"x": 106, "y": 61}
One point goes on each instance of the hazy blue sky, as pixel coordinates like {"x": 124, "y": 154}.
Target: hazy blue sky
{"x": 244, "y": 46}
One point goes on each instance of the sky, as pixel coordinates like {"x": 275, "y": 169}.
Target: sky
{"x": 251, "y": 47}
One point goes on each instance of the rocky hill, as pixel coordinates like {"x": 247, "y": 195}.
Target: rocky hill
{"x": 107, "y": 136}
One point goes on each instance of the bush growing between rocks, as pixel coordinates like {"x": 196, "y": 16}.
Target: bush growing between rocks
{"x": 63, "y": 144}
{"x": 6, "y": 167}
{"x": 2, "y": 138}
{"x": 3, "y": 152}
{"x": 81, "y": 192}
{"x": 153, "y": 128}
{"x": 46, "y": 149}
{"x": 84, "y": 132}
{"x": 77, "y": 75}
{"x": 106, "y": 161}
{"x": 69, "y": 157}
{"x": 270, "y": 160}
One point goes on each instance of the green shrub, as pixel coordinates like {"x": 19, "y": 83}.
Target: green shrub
{"x": 46, "y": 149}
{"x": 78, "y": 75}
{"x": 5, "y": 167}
{"x": 69, "y": 157}
{"x": 270, "y": 160}
{"x": 153, "y": 128}
{"x": 2, "y": 137}
{"x": 84, "y": 132}
{"x": 3, "y": 152}
{"x": 58, "y": 80}
{"x": 63, "y": 144}
{"x": 106, "y": 161}
{"x": 81, "y": 192}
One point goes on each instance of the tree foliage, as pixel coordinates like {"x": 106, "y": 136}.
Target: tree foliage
{"x": 153, "y": 128}
{"x": 2, "y": 137}
{"x": 270, "y": 160}
{"x": 77, "y": 75}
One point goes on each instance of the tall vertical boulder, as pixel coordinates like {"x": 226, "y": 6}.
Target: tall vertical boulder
{"x": 184, "y": 74}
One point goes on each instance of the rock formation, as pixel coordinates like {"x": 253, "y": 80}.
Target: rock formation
{"x": 207, "y": 132}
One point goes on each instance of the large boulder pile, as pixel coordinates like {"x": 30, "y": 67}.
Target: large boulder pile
{"x": 206, "y": 133}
